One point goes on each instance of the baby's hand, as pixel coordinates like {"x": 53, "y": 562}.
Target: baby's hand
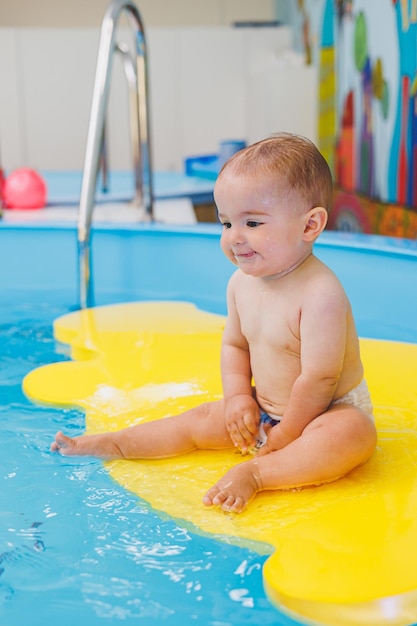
{"x": 242, "y": 421}
{"x": 277, "y": 439}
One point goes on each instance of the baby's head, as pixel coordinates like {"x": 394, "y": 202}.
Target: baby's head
{"x": 301, "y": 172}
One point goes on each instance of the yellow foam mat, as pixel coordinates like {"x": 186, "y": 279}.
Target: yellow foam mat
{"x": 342, "y": 553}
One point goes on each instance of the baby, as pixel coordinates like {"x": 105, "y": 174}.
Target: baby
{"x": 293, "y": 385}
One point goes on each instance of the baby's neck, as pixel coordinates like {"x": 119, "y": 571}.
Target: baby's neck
{"x": 291, "y": 268}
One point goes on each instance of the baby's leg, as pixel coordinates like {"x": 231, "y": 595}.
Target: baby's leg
{"x": 333, "y": 444}
{"x": 202, "y": 427}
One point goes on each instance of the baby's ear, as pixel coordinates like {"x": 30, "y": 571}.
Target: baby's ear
{"x": 315, "y": 222}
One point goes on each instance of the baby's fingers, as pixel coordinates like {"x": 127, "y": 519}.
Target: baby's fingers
{"x": 248, "y": 429}
{"x": 251, "y": 424}
{"x": 238, "y": 439}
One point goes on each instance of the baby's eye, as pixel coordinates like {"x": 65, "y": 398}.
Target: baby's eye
{"x": 226, "y": 225}
{"x": 252, "y": 223}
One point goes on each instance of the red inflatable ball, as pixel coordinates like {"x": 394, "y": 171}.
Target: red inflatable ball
{"x": 24, "y": 189}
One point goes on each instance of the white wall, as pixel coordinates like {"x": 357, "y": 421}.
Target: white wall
{"x": 207, "y": 84}
{"x": 155, "y": 13}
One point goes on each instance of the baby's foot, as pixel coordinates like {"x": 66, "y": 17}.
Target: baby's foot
{"x": 65, "y": 445}
{"x": 235, "y": 490}
{"x": 102, "y": 445}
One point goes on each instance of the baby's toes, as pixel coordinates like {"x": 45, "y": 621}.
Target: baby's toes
{"x": 208, "y": 498}
{"x": 233, "y": 505}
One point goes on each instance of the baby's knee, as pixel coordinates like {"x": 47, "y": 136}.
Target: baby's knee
{"x": 210, "y": 410}
{"x": 370, "y": 432}
{"x": 362, "y": 434}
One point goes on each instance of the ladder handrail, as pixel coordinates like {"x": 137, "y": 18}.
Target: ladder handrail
{"x": 140, "y": 129}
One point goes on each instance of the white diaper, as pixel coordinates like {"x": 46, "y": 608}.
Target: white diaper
{"x": 358, "y": 396}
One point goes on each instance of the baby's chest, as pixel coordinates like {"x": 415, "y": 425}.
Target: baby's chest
{"x": 274, "y": 324}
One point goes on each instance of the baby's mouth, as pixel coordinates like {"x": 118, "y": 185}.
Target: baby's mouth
{"x": 244, "y": 255}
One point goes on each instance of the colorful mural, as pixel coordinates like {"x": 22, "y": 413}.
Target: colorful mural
{"x": 367, "y": 127}
{"x": 327, "y": 88}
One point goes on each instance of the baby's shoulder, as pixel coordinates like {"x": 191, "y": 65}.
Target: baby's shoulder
{"x": 320, "y": 282}
{"x": 320, "y": 274}
{"x": 323, "y": 292}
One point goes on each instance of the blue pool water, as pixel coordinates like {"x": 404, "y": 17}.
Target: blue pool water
{"x": 74, "y": 545}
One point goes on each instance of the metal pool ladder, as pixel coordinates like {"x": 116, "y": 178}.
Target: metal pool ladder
{"x": 136, "y": 71}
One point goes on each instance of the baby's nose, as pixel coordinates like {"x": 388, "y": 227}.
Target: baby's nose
{"x": 237, "y": 236}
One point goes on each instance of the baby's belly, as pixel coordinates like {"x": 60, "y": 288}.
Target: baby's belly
{"x": 274, "y": 404}
{"x": 274, "y": 378}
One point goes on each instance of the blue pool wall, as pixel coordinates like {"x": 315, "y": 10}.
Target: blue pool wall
{"x": 154, "y": 262}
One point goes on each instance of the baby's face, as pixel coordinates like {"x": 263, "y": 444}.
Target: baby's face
{"x": 262, "y": 229}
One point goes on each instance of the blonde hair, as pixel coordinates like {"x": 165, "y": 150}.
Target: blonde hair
{"x": 291, "y": 158}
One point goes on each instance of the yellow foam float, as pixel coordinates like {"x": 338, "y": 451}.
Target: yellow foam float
{"x": 342, "y": 553}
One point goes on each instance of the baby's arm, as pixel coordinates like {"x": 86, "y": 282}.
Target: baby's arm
{"x": 242, "y": 411}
